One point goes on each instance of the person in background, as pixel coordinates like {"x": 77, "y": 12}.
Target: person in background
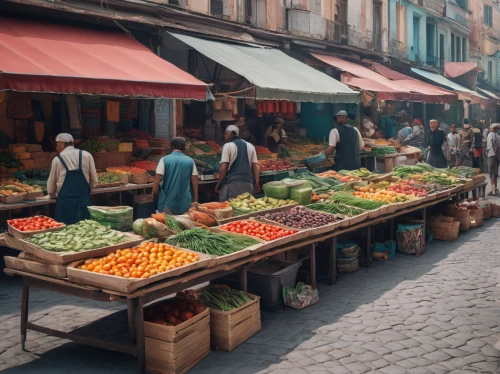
{"x": 452, "y": 145}
{"x": 465, "y": 145}
{"x": 493, "y": 153}
{"x": 404, "y": 135}
{"x": 418, "y": 135}
{"x": 274, "y": 139}
{"x": 72, "y": 176}
{"x": 367, "y": 128}
{"x": 435, "y": 140}
{"x": 180, "y": 180}
{"x": 443, "y": 125}
{"x": 346, "y": 141}
{"x": 278, "y": 129}
{"x": 239, "y": 170}
{"x": 477, "y": 132}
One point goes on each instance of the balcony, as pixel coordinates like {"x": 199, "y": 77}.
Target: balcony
{"x": 434, "y": 6}
{"x": 336, "y": 31}
{"x": 369, "y": 41}
{"x": 457, "y": 14}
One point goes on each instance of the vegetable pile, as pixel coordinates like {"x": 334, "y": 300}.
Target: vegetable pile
{"x": 381, "y": 151}
{"x": 223, "y": 298}
{"x": 404, "y": 171}
{"x": 141, "y": 262}
{"x": 173, "y": 312}
{"x": 210, "y": 243}
{"x": 167, "y": 220}
{"x": 334, "y": 207}
{"x": 108, "y": 178}
{"x": 408, "y": 189}
{"x": 301, "y": 218}
{"x": 359, "y": 173}
{"x": 355, "y": 201}
{"x": 462, "y": 171}
{"x": 246, "y": 203}
{"x": 36, "y": 223}
{"x": 274, "y": 165}
{"x": 257, "y": 229}
{"x": 340, "y": 177}
{"x": 81, "y": 236}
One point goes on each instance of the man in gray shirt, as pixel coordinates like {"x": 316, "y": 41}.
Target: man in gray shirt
{"x": 493, "y": 153}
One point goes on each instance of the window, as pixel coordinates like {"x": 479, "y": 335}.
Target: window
{"x": 453, "y": 56}
{"x": 216, "y": 8}
{"x": 377, "y": 26}
{"x": 464, "y": 49}
{"x": 462, "y": 4}
{"x": 488, "y": 15}
{"x": 459, "y": 50}
{"x": 490, "y": 72}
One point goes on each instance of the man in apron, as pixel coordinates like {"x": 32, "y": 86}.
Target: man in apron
{"x": 435, "y": 140}
{"x": 239, "y": 170}
{"x": 72, "y": 175}
{"x": 346, "y": 141}
{"x": 180, "y": 180}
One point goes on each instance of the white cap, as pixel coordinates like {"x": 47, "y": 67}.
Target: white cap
{"x": 279, "y": 120}
{"x": 494, "y": 125}
{"x": 66, "y": 138}
{"x": 341, "y": 113}
{"x": 232, "y": 128}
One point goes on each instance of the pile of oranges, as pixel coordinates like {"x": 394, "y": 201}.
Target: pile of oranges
{"x": 141, "y": 262}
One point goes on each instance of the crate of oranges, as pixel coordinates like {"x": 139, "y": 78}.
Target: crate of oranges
{"x": 129, "y": 269}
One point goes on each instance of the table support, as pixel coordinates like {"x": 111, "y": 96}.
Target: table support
{"x": 24, "y": 313}
{"x": 313, "y": 265}
{"x": 244, "y": 278}
{"x": 131, "y": 319}
{"x": 332, "y": 269}
{"x": 368, "y": 245}
{"x": 139, "y": 330}
{"x": 424, "y": 218}
{"x": 391, "y": 228}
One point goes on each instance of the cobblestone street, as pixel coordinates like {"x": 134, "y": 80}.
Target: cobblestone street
{"x": 438, "y": 313}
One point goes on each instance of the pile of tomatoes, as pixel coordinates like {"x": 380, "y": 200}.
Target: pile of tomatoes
{"x": 141, "y": 262}
{"x": 36, "y": 223}
{"x": 257, "y": 229}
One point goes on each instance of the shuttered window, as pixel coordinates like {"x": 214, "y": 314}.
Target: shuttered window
{"x": 216, "y": 7}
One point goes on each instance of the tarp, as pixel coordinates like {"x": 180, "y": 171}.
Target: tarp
{"x": 48, "y": 57}
{"x": 456, "y": 69}
{"x": 274, "y": 74}
{"x": 463, "y": 92}
{"x": 399, "y": 87}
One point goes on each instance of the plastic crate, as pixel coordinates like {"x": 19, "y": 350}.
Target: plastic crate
{"x": 267, "y": 280}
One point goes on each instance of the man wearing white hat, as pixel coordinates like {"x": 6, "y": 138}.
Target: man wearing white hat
{"x": 72, "y": 175}
{"x": 346, "y": 141}
{"x": 239, "y": 169}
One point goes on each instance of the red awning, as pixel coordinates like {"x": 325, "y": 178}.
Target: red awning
{"x": 403, "y": 88}
{"x": 43, "y": 57}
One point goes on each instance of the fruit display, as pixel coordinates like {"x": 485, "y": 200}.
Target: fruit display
{"x": 300, "y": 217}
{"x": 407, "y": 188}
{"x": 210, "y": 243}
{"x": 334, "y": 207}
{"x": 35, "y": 223}
{"x": 340, "y": 177}
{"x": 214, "y": 146}
{"x": 9, "y": 193}
{"x": 257, "y": 229}
{"x": 262, "y": 151}
{"x": 125, "y": 170}
{"x": 143, "y": 261}
{"x": 17, "y": 187}
{"x": 274, "y": 165}
{"x": 173, "y": 312}
{"x": 382, "y": 195}
{"x": 246, "y": 203}
{"x": 81, "y": 236}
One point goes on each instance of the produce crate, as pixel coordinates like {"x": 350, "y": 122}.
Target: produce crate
{"x": 104, "y": 160}
{"x": 229, "y": 329}
{"x": 36, "y": 267}
{"x": 12, "y": 199}
{"x": 32, "y": 196}
{"x": 27, "y": 234}
{"x": 176, "y": 349}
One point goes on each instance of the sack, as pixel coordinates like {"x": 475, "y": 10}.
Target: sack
{"x": 155, "y": 229}
{"x": 301, "y": 296}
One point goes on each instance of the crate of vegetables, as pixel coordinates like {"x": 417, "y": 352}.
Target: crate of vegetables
{"x": 26, "y": 227}
{"x": 177, "y": 335}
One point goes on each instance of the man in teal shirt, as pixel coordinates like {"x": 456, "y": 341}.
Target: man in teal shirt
{"x": 180, "y": 180}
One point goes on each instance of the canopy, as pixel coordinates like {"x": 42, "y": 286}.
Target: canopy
{"x": 463, "y": 92}
{"x": 394, "y": 86}
{"x": 274, "y": 74}
{"x": 43, "y": 57}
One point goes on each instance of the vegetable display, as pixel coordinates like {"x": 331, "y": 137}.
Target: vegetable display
{"x": 404, "y": 187}
{"x": 274, "y": 165}
{"x": 246, "y": 203}
{"x": 173, "y": 312}
{"x": 81, "y": 236}
{"x": 146, "y": 165}
{"x": 334, "y": 207}
{"x": 340, "y": 177}
{"x": 404, "y": 171}
{"x": 167, "y": 220}
{"x": 461, "y": 171}
{"x": 223, "y": 298}
{"x": 257, "y": 229}
{"x": 355, "y": 201}
{"x": 301, "y": 218}
{"x": 359, "y": 173}
{"x": 144, "y": 261}
{"x": 317, "y": 183}
{"x": 19, "y": 187}
{"x": 381, "y": 151}
{"x": 36, "y": 223}
{"x": 33, "y": 178}
{"x": 210, "y": 243}
{"x": 107, "y": 178}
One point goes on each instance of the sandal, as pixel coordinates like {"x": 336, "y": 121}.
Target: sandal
{"x": 492, "y": 194}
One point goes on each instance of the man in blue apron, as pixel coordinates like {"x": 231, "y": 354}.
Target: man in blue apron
{"x": 346, "y": 141}
{"x": 239, "y": 169}
{"x": 180, "y": 180}
{"x": 72, "y": 175}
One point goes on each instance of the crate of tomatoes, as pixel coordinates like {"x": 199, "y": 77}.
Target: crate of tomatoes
{"x": 23, "y": 228}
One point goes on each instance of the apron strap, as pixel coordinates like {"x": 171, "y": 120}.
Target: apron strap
{"x": 62, "y": 162}
{"x": 80, "y": 160}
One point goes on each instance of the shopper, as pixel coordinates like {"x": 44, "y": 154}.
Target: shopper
{"x": 277, "y": 128}
{"x": 72, "y": 176}
{"x": 418, "y": 135}
{"x": 493, "y": 152}
{"x": 367, "y": 128}
{"x": 452, "y": 145}
{"x": 435, "y": 140}
{"x": 180, "y": 180}
{"x": 404, "y": 135}
{"x": 465, "y": 146}
{"x": 346, "y": 141}
{"x": 239, "y": 169}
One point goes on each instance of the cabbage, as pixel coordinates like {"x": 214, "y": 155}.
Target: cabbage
{"x": 138, "y": 226}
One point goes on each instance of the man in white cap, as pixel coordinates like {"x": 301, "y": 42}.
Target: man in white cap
{"x": 71, "y": 178}
{"x": 493, "y": 153}
{"x": 239, "y": 169}
{"x": 346, "y": 141}
{"x": 275, "y": 131}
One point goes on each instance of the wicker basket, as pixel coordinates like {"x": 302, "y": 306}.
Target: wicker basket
{"x": 347, "y": 265}
{"x": 140, "y": 178}
{"x": 487, "y": 213}
{"x": 350, "y": 251}
{"x": 463, "y": 216}
{"x": 442, "y": 230}
{"x": 495, "y": 210}
{"x": 476, "y": 217}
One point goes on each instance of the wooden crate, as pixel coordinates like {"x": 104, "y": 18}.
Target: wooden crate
{"x": 176, "y": 349}
{"x": 35, "y": 267}
{"x": 28, "y": 234}
{"x": 229, "y": 329}
{"x": 104, "y": 160}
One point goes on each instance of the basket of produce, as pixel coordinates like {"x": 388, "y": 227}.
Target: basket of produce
{"x": 105, "y": 180}
{"x": 127, "y": 276}
{"x": 444, "y": 228}
{"x": 476, "y": 217}
{"x": 246, "y": 204}
{"x": 410, "y": 239}
{"x": 25, "y": 227}
{"x": 487, "y": 212}
{"x": 461, "y": 214}
{"x": 11, "y": 197}
{"x": 221, "y": 210}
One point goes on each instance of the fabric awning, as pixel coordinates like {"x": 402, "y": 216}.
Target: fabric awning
{"x": 397, "y": 87}
{"x": 275, "y": 75}
{"x": 463, "y": 92}
{"x": 48, "y": 57}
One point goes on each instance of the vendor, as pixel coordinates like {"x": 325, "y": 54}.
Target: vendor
{"x": 435, "y": 140}
{"x": 367, "y": 128}
{"x": 417, "y": 138}
{"x": 346, "y": 141}
{"x": 404, "y": 135}
{"x": 465, "y": 146}
{"x": 180, "y": 180}
{"x": 72, "y": 176}
{"x": 275, "y": 133}
{"x": 239, "y": 169}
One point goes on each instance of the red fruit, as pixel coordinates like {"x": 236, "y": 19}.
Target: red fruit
{"x": 186, "y": 315}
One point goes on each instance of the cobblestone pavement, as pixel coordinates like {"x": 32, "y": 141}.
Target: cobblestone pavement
{"x": 438, "y": 313}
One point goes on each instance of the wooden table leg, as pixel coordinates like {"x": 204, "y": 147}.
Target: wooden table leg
{"x": 313, "y": 265}
{"x": 424, "y": 218}
{"x": 24, "y": 313}
{"x": 332, "y": 268}
{"x": 131, "y": 319}
{"x": 368, "y": 245}
{"x": 244, "y": 278}
{"x": 139, "y": 330}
